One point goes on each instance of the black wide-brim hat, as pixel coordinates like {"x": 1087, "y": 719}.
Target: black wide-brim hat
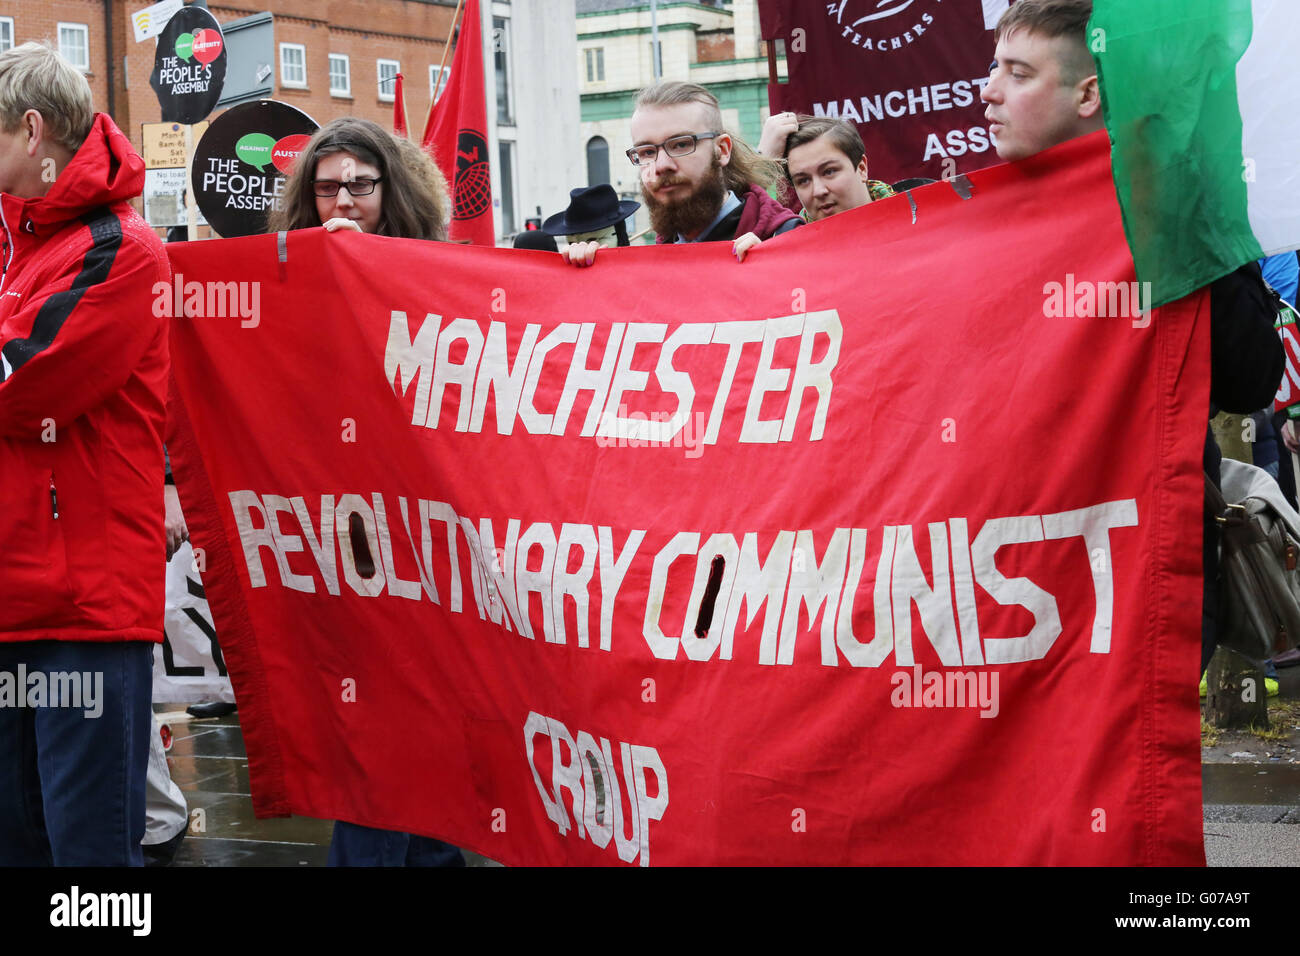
{"x": 590, "y": 209}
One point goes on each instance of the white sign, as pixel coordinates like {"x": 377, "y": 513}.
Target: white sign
{"x": 150, "y": 21}
{"x": 188, "y": 667}
{"x": 163, "y": 189}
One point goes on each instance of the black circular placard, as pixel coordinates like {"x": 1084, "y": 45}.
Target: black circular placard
{"x": 241, "y": 163}
{"x": 189, "y": 68}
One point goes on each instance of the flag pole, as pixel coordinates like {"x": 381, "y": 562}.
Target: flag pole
{"x": 445, "y": 47}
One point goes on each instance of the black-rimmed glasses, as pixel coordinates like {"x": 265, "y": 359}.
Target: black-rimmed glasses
{"x": 677, "y": 146}
{"x": 328, "y": 188}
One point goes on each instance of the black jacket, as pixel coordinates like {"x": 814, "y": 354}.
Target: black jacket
{"x": 1246, "y": 365}
{"x": 1246, "y": 358}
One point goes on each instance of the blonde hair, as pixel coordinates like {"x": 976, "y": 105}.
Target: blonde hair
{"x": 746, "y": 167}
{"x": 34, "y": 77}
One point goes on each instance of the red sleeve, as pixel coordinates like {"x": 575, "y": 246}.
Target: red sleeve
{"x": 76, "y": 339}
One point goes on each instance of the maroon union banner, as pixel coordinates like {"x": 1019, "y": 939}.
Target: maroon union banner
{"x": 907, "y": 72}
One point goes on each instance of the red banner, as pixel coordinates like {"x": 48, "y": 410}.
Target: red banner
{"x": 685, "y": 561}
{"x": 455, "y": 135}
{"x": 908, "y": 73}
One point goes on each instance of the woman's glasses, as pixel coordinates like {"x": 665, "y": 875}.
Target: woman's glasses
{"x": 328, "y": 188}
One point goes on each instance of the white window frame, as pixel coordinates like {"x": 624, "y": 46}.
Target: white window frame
{"x": 503, "y": 42}
{"x": 511, "y": 186}
{"x": 595, "y": 56}
{"x": 346, "y": 89}
{"x": 85, "y": 39}
{"x": 433, "y": 79}
{"x": 7, "y": 22}
{"x": 379, "y": 80}
{"x": 284, "y": 77}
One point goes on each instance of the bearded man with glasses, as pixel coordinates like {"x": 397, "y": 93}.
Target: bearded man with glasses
{"x": 699, "y": 183}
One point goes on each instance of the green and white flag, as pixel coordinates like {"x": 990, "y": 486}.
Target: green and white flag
{"x": 1203, "y": 108}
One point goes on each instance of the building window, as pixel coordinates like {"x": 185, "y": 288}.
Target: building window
{"x": 501, "y": 60}
{"x": 293, "y": 65}
{"x": 597, "y": 161}
{"x": 507, "y": 152}
{"x": 438, "y": 81}
{"x": 388, "y": 70}
{"x": 74, "y": 44}
{"x": 340, "y": 75}
{"x": 595, "y": 64}
{"x": 6, "y": 33}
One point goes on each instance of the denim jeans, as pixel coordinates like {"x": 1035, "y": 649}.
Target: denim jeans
{"x": 72, "y": 778}
{"x": 355, "y": 845}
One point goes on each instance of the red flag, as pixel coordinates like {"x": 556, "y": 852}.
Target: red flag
{"x": 636, "y": 637}
{"x": 456, "y": 137}
{"x": 399, "y": 109}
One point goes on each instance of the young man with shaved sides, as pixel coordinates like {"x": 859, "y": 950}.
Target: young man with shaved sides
{"x": 1042, "y": 91}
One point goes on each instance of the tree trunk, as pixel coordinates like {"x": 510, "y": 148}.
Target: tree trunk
{"x": 1235, "y": 696}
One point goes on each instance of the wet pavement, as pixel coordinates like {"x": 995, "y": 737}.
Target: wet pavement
{"x": 1251, "y": 786}
{"x": 1252, "y": 813}
{"x": 209, "y": 764}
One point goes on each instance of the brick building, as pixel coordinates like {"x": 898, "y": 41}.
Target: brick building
{"x": 336, "y": 58}
{"x": 329, "y": 55}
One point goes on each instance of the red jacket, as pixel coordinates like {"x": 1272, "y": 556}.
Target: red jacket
{"x": 83, "y": 372}
{"x": 763, "y": 215}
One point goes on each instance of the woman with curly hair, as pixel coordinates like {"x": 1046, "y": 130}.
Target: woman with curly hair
{"x": 354, "y": 174}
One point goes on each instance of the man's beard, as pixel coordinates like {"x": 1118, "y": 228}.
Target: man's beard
{"x": 692, "y": 213}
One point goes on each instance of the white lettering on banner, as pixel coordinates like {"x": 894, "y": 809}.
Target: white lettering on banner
{"x": 890, "y": 34}
{"x": 956, "y": 142}
{"x": 934, "y": 604}
{"x": 887, "y": 105}
{"x": 895, "y": 104}
{"x": 633, "y": 355}
{"x": 588, "y": 773}
{"x": 526, "y": 580}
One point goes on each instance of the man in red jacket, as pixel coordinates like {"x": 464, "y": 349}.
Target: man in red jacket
{"x": 83, "y": 368}
{"x": 699, "y": 183}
